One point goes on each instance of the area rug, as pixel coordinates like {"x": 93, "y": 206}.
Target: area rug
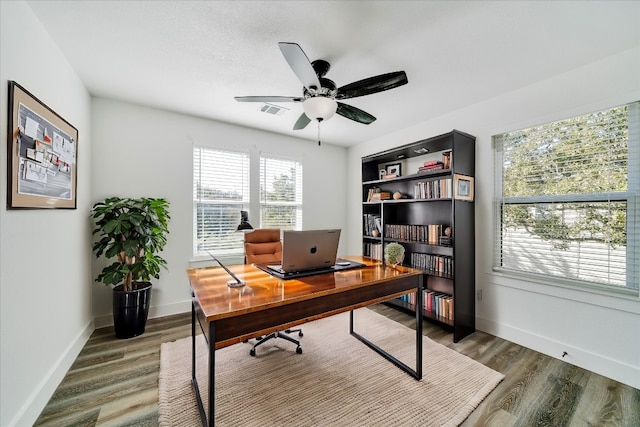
{"x": 336, "y": 381}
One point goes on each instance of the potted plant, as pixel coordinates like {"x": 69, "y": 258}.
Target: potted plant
{"x": 394, "y": 253}
{"x": 132, "y": 231}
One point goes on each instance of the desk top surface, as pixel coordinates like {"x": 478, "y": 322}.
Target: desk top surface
{"x": 263, "y": 291}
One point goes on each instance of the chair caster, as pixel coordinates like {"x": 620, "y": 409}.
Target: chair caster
{"x": 299, "y": 350}
{"x": 300, "y": 334}
{"x": 252, "y": 352}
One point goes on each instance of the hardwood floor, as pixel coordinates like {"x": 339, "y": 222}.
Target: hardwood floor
{"x": 115, "y": 382}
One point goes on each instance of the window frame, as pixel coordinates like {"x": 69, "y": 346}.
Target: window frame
{"x": 631, "y": 197}
{"x": 252, "y": 205}
{"x": 299, "y": 193}
{"x": 237, "y": 205}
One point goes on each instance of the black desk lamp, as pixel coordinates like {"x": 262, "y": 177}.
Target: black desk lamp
{"x": 244, "y": 226}
{"x": 244, "y": 222}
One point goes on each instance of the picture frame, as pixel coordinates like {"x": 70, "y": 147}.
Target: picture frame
{"x": 463, "y": 187}
{"x": 42, "y": 149}
{"x": 394, "y": 169}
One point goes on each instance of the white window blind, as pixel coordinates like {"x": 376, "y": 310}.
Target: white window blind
{"x": 220, "y": 192}
{"x": 567, "y": 199}
{"x": 280, "y": 193}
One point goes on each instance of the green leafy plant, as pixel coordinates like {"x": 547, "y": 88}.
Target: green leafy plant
{"x": 133, "y": 231}
{"x": 394, "y": 253}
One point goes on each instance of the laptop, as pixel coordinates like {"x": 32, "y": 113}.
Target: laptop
{"x": 307, "y": 250}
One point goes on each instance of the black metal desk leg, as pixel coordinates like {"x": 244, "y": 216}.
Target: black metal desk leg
{"x": 194, "y": 369}
{"x": 212, "y": 373}
{"x": 193, "y": 342}
{"x": 417, "y": 373}
{"x": 419, "y": 314}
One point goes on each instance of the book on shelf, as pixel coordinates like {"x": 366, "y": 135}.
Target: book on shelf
{"x": 433, "y": 189}
{"x": 409, "y": 298}
{"x": 383, "y": 195}
{"x": 372, "y": 250}
{"x": 438, "y": 304}
{"x": 431, "y": 165}
{"x": 375, "y": 195}
{"x": 447, "y": 157}
{"x": 372, "y": 225}
{"x": 437, "y": 264}
{"x": 435, "y": 231}
{"x": 418, "y": 233}
{"x": 445, "y": 241}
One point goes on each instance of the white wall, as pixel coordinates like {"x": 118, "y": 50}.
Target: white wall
{"x": 599, "y": 333}
{"x": 140, "y": 151}
{"x": 46, "y": 277}
{"x": 45, "y": 280}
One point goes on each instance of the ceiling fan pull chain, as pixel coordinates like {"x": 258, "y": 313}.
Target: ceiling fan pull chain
{"x": 319, "y": 120}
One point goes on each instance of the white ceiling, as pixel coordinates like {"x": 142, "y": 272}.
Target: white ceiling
{"x": 193, "y": 57}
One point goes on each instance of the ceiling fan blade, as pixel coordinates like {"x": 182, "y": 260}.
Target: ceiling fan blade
{"x": 269, "y": 99}
{"x": 372, "y": 85}
{"x": 355, "y": 114}
{"x": 300, "y": 64}
{"x": 302, "y": 122}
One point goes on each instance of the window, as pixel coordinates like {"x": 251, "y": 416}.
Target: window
{"x": 567, "y": 199}
{"x": 280, "y": 194}
{"x": 223, "y": 185}
{"x": 220, "y": 192}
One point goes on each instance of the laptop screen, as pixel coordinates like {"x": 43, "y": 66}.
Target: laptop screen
{"x": 309, "y": 249}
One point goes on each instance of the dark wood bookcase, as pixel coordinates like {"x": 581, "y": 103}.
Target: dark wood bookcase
{"x": 436, "y": 181}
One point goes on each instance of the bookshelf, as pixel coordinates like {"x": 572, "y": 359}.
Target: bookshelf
{"x": 421, "y": 195}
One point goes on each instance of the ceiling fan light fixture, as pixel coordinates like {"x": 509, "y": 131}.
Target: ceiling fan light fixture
{"x": 320, "y": 108}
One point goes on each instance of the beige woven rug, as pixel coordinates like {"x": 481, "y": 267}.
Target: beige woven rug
{"x": 336, "y": 381}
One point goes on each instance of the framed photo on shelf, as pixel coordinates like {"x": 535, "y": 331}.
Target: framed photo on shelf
{"x": 463, "y": 187}
{"x": 41, "y": 154}
{"x": 394, "y": 169}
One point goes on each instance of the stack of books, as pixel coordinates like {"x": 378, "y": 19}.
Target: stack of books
{"x": 431, "y": 165}
{"x": 377, "y": 196}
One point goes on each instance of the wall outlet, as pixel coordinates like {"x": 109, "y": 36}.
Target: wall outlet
{"x": 479, "y": 294}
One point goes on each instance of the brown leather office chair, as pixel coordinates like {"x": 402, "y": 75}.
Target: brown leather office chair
{"x": 263, "y": 246}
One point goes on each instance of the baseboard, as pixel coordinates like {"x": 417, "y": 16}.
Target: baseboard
{"x": 610, "y": 368}
{"x": 156, "y": 311}
{"x": 33, "y": 406}
{"x": 170, "y": 309}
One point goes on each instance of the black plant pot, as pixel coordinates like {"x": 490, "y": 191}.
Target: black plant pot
{"x": 130, "y": 309}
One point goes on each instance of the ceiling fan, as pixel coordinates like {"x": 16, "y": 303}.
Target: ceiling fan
{"x": 320, "y": 96}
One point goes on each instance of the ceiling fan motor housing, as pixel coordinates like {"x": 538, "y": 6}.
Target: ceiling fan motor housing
{"x": 328, "y": 88}
{"x": 321, "y": 67}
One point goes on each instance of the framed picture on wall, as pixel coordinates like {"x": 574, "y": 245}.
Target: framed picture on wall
{"x": 42, "y": 152}
{"x": 463, "y": 187}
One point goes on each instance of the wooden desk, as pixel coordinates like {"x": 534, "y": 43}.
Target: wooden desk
{"x": 266, "y": 304}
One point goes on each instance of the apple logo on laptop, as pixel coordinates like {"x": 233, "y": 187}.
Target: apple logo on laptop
{"x": 313, "y": 250}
